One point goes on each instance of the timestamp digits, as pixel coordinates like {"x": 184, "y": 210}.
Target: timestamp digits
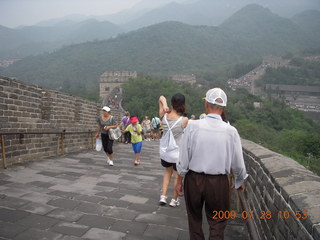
{"x": 261, "y": 214}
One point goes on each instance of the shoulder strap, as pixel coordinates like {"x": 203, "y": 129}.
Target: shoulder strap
{"x": 178, "y": 120}
{"x": 111, "y": 119}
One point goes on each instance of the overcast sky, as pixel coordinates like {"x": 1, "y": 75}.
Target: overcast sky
{"x": 28, "y": 12}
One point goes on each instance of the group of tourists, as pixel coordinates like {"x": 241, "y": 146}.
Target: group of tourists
{"x": 151, "y": 129}
{"x": 199, "y": 154}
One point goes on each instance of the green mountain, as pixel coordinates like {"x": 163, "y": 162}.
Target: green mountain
{"x": 257, "y": 27}
{"x": 32, "y": 40}
{"x": 166, "y": 48}
{"x": 310, "y": 22}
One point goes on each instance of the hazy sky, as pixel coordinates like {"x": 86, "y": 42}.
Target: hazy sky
{"x": 28, "y": 12}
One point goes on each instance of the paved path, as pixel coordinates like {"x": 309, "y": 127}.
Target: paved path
{"x": 78, "y": 196}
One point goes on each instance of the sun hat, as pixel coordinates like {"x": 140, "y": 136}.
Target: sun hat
{"x": 134, "y": 119}
{"x": 216, "y": 96}
{"x": 106, "y": 108}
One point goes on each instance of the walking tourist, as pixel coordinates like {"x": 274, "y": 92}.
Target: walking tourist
{"x": 173, "y": 124}
{"x": 146, "y": 128}
{"x": 156, "y": 123}
{"x": 136, "y": 137}
{"x": 210, "y": 149}
{"x": 105, "y": 122}
{"x": 125, "y": 122}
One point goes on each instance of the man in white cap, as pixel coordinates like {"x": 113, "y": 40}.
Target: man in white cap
{"x": 210, "y": 149}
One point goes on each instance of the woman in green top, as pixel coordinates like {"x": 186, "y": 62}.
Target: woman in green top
{"x": 105, "y": 122}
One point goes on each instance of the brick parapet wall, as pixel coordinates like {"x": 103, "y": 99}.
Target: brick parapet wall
{"x": 30, "y": 108}
{"x": 277, "y": 183}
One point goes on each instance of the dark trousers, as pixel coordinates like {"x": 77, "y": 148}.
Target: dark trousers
{"x": 213, "y": 191}
{"x": 107, "y": 143}
{"x": 127, "y": 137}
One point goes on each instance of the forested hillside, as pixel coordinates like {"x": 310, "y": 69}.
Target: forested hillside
{"x": 166, "y": 48}
{"x": 309, "y": 21}
{"x": 299, "y": 72}
{"x": 32, "y": 40}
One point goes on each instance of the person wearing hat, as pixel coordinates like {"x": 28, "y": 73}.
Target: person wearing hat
{"x": 210, "y": 149}
{"x": 136, "y": 137}
{"x": 172, "y": 120}
{"x": 105, "y": 122}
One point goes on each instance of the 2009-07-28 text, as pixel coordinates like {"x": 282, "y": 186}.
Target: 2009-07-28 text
{"x": 259, "y": 215}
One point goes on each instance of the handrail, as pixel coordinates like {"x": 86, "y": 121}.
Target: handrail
{"x": 250, "y": 222}
{"x": 62, "y": 133}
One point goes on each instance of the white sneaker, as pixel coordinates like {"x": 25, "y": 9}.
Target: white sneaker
{"x": 110, "y": 163}
{"x": 108, "y": 160}
{"x": 174, "y": 203}
{"x": 163, "y": 200}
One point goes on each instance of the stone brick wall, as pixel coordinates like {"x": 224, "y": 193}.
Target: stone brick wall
{"x": 30, "y": 108}
{"x": 285, "y": 188}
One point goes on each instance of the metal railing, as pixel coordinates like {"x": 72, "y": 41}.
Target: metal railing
{"x": 61, "y": 145}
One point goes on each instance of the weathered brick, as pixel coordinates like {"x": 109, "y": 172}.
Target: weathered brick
{"x": 4, "y": 119}
{"x": 303, "y": 234}
{"x": 3, "y": 106}
{"x": 8, "y": 101}
{"x": 3, "y": 94}
{"x": 4, "y": 82}
{"x": 13, "y": 96}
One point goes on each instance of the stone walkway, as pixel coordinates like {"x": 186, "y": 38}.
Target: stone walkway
{"x": 78, "y": 196}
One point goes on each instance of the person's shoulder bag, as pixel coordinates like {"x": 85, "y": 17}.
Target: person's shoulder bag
{"x": 114, "y": 133}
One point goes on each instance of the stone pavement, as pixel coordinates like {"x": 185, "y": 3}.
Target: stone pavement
{"x": 78, "y": 196}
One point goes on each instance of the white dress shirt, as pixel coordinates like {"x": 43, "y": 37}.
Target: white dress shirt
{"x": 212, "y": 146}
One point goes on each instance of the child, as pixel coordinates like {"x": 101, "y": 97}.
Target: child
{"x": 136, "y": 138}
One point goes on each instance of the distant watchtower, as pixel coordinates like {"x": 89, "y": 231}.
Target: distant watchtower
{"x": 110, "y": 83}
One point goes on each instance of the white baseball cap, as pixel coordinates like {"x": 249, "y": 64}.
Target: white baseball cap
{"x": 107, "y": 109}
{"x": 216, "y": 96}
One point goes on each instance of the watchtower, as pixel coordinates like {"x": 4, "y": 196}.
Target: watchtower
{"x": 110, "y": 83}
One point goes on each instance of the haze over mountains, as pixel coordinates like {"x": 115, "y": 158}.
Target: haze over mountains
{"x": 50, "y": 35}
{"x": 33, "y": 40}
{"x": 171, "y": 48}
{"x": 193, "y": 12}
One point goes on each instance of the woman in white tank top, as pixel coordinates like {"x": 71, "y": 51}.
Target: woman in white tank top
{"x": 171, "y": 116}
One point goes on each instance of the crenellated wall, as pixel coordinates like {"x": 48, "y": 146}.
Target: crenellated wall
{"x": 30, "y": 108}
{"x": 286, "y": 189}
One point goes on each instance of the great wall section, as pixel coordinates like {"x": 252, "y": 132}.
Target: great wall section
{"x": 28, "y": 108}
{"x": 304, "y": 98}
{"x": 277, "y": 186}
